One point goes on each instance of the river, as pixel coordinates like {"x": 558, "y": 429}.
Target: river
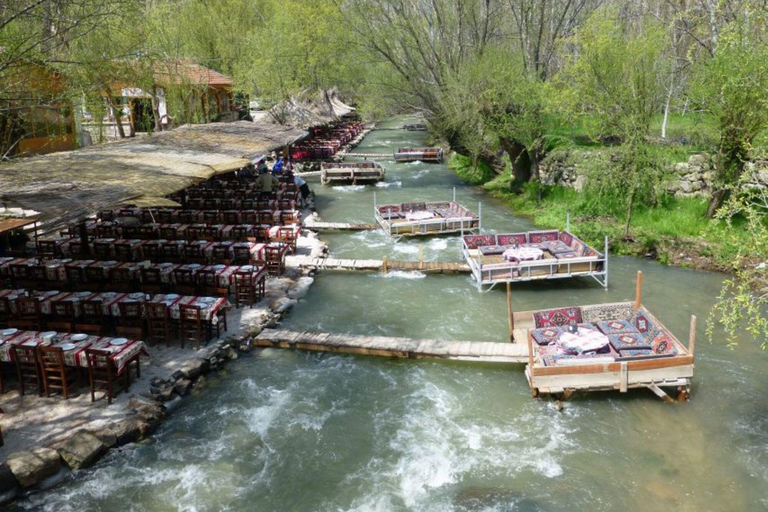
{"x": 292, "y": 431}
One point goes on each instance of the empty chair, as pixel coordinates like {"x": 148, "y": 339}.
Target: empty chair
{"x": 92, "y": 320}
{"x": 266, "y": 217}
{"x": 195, "y": 253}
{"x": 131, "y": 320}
{"x": 62, "y": 316}
{"x": 103, "y": 374}
{"x": 246, "y": 288}
{"x": 75, "y": 277}
{"x": 5, "y": 311}
{"x": 169, "y": 232}
{"x": 273, "y": 254}
{"x": 131, "y": 232}
{"x": 121, "y": 280}
{"x": 38, "y": 277}
{"x": 159, "y": 326}
{"x": 165, "y": 216}
{"x": 186, "y": 216}
{"x": 96, "y": 278}
{"x": 210, "y": 204}
{"x": 173, "y": 252}
{"x": 152, "y": 251}
{"x": 28, "y": 315}
{"x": 48, "y": 249}
{"x": 249, "y": 217}
{"x": 192, "y": 326}
{"x": 147, "y": 232}
{"x": 261, "y": 233}
{"x": 222, "y": 254}
{"x": 104, "y": 230}
{"x": 194, "y": 232}
{"x": 184, "y": 280}
{"x": 208, "y": 284}
{"x": 211, "y": 233}
{"x": 56, "y": 375}
{"x": 27, "y": 368}
{"x": 242, "y": 254}
{"x": 230, "y": 217}
{"x": 102, "y": 250}
{"x": 151, "y": 280}
{"x": 123, "y": 251}
{"x": 210, "y": 217}
{"x": 20, "y": 275}
{"x": 239, "y": 233}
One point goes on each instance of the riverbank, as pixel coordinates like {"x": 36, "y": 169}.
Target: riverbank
{"x": 676, "y": 232}
{"x": 47, "y": 438}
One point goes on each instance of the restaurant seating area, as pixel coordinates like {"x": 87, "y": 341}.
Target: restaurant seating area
{"x": 532, "y": 255}
{"x": 325, "y": 141}
{"x": 420, "y": 218}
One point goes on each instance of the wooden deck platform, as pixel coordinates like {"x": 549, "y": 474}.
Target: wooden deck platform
{"x": 369, "y": 155}
{"x": 428, "y": 267}
{"x": 339, "y": 226}
{"x": 384, "y": 346}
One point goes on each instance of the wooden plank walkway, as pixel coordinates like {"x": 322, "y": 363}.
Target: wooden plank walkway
{"x": 384, "y": 346}
{"x": 428, "y": 267}
{"x": 339, "y": 226}
{"x": 370, "y": 155}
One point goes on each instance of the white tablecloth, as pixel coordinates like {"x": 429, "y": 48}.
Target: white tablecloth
{"x": 586, "y": 340}
{"x": 523, "y": 254}
{"x": 419, "y": 215}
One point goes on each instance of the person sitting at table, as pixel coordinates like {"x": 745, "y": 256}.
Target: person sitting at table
{"x": 266, "y": 182}
{"x": 277, "y": 169}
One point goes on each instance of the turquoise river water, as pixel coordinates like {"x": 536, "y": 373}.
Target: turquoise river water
{"x": 292, "y": 431}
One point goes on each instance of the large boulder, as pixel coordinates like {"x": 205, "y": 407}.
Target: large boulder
{"x": 32, "y": 467}
{"x": 81, "y": 450}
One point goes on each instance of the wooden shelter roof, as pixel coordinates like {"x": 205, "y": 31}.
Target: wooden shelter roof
{"x": 69, "y": 186}
{"x": 11, "y": 223}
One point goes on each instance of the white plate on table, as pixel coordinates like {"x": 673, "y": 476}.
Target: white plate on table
{"x": 47, "y": 334}
{"x": 118, "y": 342}
{"x": 30, "y": 343}
{"x": 219, "y": 266}
{"x": 172, "y": 296}
{"x": 110, "y": 263}
{"x": 8, "y": 332}
{"x": 207, "y": 300}
{"x": 194, "y": 265}
{"x": 246, "y": 268}
{"x": 136, "y": 295}
{"x": 51, "y": 293}
{"x": 78, "y": 337}
{"x": 165, "y": 265}
{"x": 68, "y": 346}
{"x": 84, "y": 294}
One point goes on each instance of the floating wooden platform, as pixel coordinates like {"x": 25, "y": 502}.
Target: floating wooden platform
{"x": 339, "y": 226}
{"x": 370, "y": 155}
{"x": 384, "y": 346}
{"x": 428, "y": 267}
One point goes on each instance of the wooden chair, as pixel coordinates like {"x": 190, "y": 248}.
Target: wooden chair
{"x": 169, "y": 232}
{"x": 102, "y": 250}
{"x": 273, "y": 254}
{"x": 239, "y": 233}
{"x": 48, "y": 249}
{"x": 195, "y": 253}
{"x": 266, "y": 217}
{"x": 208, "y": 284}
{"x": 173, "y": 252}
{"x": 20, "y": 275}
{"x": 210, "y": 204}
{"x": 147, "y": 232}
{"x": 194, "y": 232}
{"x": 131, "y": 232}
{"x": 227, "y": 204}
{"x": 123, "y": 251}
{"x": 62, "y": 316}
{"x": 92, "y": 320}
{"x": 248, "y": 204}
{"x": 75, "y": 277}
{"x": 210, "y": 217}
{"x": 131, "y": 315}
{"x": 103, "y": 375}
{"x": 192, "y": 326}
{"x": 222, "y": 254}
{"x": 56, "y": 375}
{"x": 28, "y": 315}
{"x": 186, "y": 216}
{"x": 104, "y": 230}
{"x": 165, "y": 216}
{"x": 96, "y": 279}
{"x": 27, "y": 368}
{"x": 249, "y": 217}
{"x": 246, "y": 289}
{"x": 152, "y": 251}
{"x": 184, "y": 280}
{"x": 38, "y": 277}
{"x": 230, "y": 217}
{"x": 151, "y": 281}
{"x": 242, "y": 254}
{"x": 121, "y": 280}
{"x": 159, "y": 326}
{"x": 261, "y": 233}
{"x": 5, "y": 311}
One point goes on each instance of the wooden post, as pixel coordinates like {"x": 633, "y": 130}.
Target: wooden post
{"x": 639, "y": 289}
{"x": 692, "y": 335}
{"x": 82, "y": 232}
{"x": 421, "y": 257}
{"x": 509, "y": 313}
{"x": 530, "y": 361}
{"x": 384, "y": 264}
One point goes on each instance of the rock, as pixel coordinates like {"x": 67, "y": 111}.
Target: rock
{"x": 165, "y": 394}
{"x": 32, "y": 467}
{"x": 125, "y": 431}
{"x": 580, "y": 182}
{"x": 198, "y": 385}
{"x": 194, "y": 368}
{"x": 81, "y": 450}
{"x": 182, "y": 386}
{"x": 178, "y": 374}
{"x": 698, "y": 159}
{"x": 232, "y": 354}
{"x": 9, "y": 484}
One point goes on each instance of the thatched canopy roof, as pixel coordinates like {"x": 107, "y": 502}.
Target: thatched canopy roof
{"x": 311, "y": 110}
{"x": 69, "y": 186}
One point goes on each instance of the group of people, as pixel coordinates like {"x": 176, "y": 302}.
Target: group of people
{"x": 281, "y": 171}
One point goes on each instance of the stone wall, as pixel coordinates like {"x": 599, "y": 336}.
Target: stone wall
{"x": 687, "y": 179}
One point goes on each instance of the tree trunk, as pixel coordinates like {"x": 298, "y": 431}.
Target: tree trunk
{"x": 156, "y": 111}
{"x": 521, "y": 162}
{"x": 718, "y": 198}
{"x": 666, "y": 115}
{"x": 117, "y": 113}
{"x": 630, "y": 209}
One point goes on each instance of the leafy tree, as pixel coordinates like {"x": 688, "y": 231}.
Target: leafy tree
{"x": 614, "y": 86}
{"x": 732, "y": 86}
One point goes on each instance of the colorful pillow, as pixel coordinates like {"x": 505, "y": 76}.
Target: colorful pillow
{"x": 643, "y": 323}
{"x": 566, "y": 237}
{"x": 557, "y": 247}
{"x": 566, "y": 255}
{"x": 475, "y": 241}
{"x": 577, "y": 246}
{"x": 616, "y": 327}
{"x": 546, "y": 335}
{"x": 557, "y": 317}
{"x": 607, "y": 312}
{"x": 517, "y": 238}
{"x": 636, "y": 353}
{"x": 542, "y": 236}
{"x": 629, "y": 340}
{"x": 662, "y": 343}
{"x": 414, "y": 207}
{"x": 389, "y": 208}
{"x": 491, "y": 249}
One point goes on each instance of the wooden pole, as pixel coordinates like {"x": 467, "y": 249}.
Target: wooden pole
{"x": 692, "y": 335}
{"x": 421, "y": 257}
{"x": 82, "y": 232}
{"x": 530, "y": 361}
{"x": 384, "y": 264}
{"x": 639, "y": 289}
{"x": 509, "y": 313}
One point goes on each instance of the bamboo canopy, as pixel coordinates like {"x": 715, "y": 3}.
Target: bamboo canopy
{"x": 69, "y": 186}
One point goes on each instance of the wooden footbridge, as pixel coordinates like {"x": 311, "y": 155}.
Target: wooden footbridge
{"x": 384, "y": 346}
{"x": 383, "y": 265}
{"x": 339, "y": 226}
